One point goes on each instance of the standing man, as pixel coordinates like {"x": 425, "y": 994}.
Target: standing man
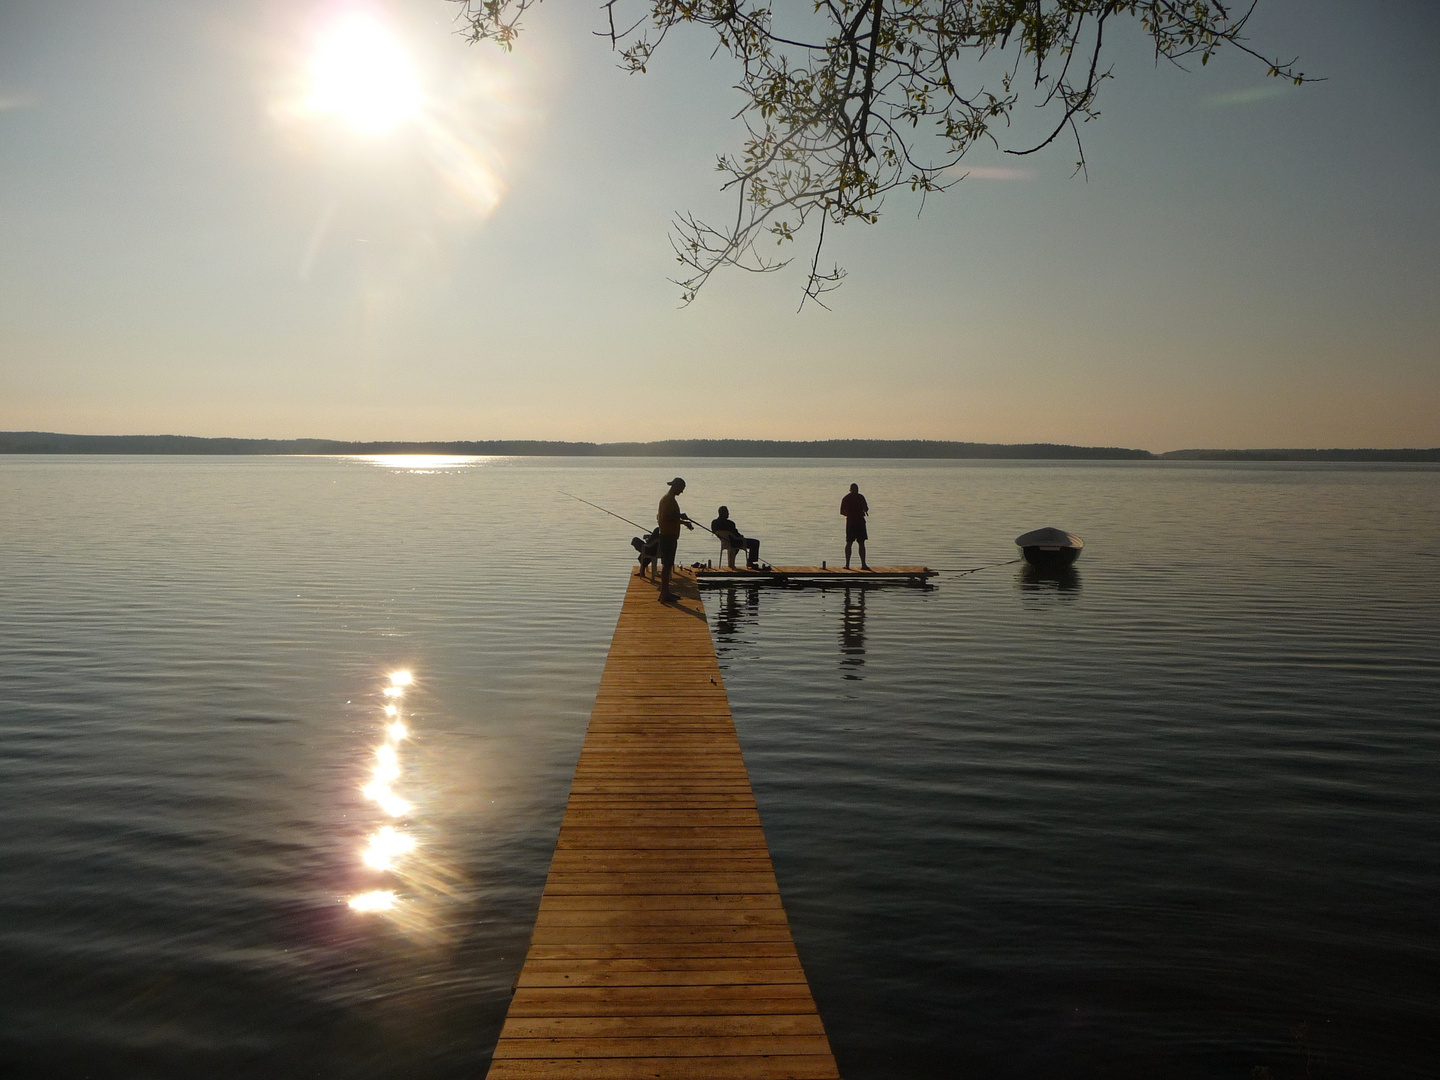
{"x": 670, "y": 519}
{"x": 854, "y": 508}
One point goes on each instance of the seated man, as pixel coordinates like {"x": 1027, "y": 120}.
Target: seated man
{"x": 732, "y": 541}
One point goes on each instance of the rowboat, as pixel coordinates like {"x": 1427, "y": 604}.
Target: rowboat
{"x": 1049, "y": 547}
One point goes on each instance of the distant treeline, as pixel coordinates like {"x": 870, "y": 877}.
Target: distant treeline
{"x": 44, "y": 442}
{"x": 1301, "y": 455}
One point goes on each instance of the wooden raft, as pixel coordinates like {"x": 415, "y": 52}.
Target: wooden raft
{"x": 661, "y": 949}
{"x": 813, "y": 575}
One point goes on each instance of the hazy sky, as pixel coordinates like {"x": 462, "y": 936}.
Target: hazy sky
{"x": 186, "y": 248}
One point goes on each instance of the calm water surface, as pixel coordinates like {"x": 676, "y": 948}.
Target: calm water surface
{"x": 1172, "y": 815}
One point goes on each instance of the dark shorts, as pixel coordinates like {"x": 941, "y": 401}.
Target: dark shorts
{"x": 855, "y": 530}
{"x": 667, "y": 550}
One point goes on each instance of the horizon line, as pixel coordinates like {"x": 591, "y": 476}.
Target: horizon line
{"x": 43, "y": 442}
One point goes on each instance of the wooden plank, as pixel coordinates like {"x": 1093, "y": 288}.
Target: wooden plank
{"x": 747, "y": 843}
{"x": 659, "y": 1000}
{"x": 661, "y": 964}
{"x": 657, "y": 950}
{"x": 663, "y": 910}
{"x": 589, "y": 1067}
{"x": 579, "y": 861}
{"x": 668, "y": 1046}
{"x": 674, "y": 935}
{"x": 661, "y": 948}
{"x": 675, "y": 917}
{"x": 601, "y": 1027}
{"x": 737, "y": 974}
{"x": 595, "y": 817}
{"x": 814, "y": 575}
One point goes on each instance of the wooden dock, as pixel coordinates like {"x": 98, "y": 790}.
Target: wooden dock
{"x": 661, "y": 949}
{"x": 813, "y": 575}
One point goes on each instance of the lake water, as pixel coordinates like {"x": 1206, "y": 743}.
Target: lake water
{"x": 1175, "y": 815}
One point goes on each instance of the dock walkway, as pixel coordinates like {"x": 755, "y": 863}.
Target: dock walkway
{"x": 661, "y": 949}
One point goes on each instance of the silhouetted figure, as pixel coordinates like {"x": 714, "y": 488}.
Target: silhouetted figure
{"x": 854, "y": 508}
{"x": 732, "y": 540}
{"x": 649, "y": 548}
{"x": 670, "y": 519}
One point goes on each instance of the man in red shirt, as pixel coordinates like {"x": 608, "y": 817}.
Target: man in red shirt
{"x": 854, "y": 508}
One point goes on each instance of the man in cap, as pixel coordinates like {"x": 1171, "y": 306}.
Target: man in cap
{"x": 670, "y": 519}
{"x": 854, "y": 508}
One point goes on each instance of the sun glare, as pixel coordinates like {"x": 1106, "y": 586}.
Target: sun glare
{"x": 376, "y": 900}
{"x": 360, "y": 74}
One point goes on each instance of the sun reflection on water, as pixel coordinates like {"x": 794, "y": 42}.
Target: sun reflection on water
{"x": 376, "y": 900}
{"x": 389, "y": 843}
{"x": 421, "y": 463}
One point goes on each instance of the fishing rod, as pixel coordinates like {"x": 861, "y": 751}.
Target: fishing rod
{"x": 642, "y": 528}
{"x": 602, "y": 509}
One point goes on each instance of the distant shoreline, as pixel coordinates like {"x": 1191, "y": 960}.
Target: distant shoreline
{"x": 45, "y": 442}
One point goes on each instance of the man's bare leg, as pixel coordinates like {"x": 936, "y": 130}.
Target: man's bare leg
{"x": 863, "y": 564}
{"x": 848, "y": 545}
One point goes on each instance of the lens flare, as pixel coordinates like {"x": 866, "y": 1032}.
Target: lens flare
{"x": 361, "y": 75}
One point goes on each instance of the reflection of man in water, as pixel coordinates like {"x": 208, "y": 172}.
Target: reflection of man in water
{"x": 852, "y": 633}
{"x": 854, "y": 508}
{"x": 729, "y": 615}
{"x": 729, "y": 534}
{"x": 670, "y": 519}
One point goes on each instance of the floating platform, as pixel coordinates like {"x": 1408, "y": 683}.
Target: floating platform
{"x": 661, "y": 949}
{"x": 812, "y": 575}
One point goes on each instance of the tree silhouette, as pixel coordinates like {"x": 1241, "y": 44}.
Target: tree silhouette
{"x": 846, "y": 100}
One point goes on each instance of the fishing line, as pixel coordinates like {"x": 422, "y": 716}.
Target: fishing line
{"x": 971, "y": 570}
{"x": 602, "y": 509}
{"x": 627, "y": 521}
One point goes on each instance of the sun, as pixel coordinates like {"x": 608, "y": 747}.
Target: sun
{"x": 361, "y": 75}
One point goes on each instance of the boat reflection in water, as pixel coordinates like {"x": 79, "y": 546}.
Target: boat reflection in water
{"x": 1035, "y": 578}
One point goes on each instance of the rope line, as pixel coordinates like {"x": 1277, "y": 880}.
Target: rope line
{"x": 971, "y": 570}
